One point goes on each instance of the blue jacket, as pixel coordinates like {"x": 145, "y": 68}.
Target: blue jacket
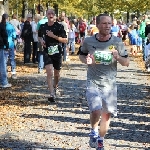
{"x": 11, "y": 32}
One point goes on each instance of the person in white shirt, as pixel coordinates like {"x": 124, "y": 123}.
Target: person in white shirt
{"x": 17, "y": 27}
{"x": 16, "y": 24}
{"x": 71, "y": 37}
{"x": 35, "y": 39}
{"x": 147, "y": 53}
{"x": 64, "y": 45}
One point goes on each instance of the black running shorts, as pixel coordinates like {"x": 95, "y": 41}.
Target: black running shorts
{"x": 56, "y": 60}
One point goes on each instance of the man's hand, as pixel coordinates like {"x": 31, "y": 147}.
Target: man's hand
{"x": 50, "y": 34}
{"x": 122, "y": 60}
{"x": 43, "y": 43}
{"x": 90, "y": 59}
{"x": 115, "y": 54}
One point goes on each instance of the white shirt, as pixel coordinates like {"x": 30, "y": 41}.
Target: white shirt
{"x": 147, "y": 50}
{"x": 35, "y": 33}
{"x": 71, "y": 33}
{"x": 16, "y": 25}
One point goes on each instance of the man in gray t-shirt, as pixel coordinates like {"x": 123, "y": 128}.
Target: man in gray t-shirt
{"x": 101, "y": 53}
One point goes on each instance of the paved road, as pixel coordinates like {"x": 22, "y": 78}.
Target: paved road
{"x": 29, "y": 122}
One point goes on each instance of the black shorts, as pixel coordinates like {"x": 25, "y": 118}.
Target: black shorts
{"x": 56, "y": 60}
{"x": 82, "y": 34}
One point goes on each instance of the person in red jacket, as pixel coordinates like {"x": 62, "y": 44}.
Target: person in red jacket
{"x": 82, "y": 28}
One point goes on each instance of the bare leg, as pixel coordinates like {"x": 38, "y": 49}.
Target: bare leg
{"x": 104, "y": 124}
{"x": 95, "y": 118}
{"x": 49, "y": 71}
{"x": 56, "y": 77}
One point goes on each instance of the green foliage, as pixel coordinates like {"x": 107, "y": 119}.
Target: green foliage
{"x": 85, "y": 7}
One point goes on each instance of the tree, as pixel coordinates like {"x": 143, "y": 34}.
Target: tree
{"x": 87, "y": 7}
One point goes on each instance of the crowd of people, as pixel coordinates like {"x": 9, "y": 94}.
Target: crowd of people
{"x": 48, "y": 41}
{"x": 136, "y": 34}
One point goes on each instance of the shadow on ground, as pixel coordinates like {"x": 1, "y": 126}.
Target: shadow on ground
{"x": 8, "y": 143}
{"x": 32, "y": 91}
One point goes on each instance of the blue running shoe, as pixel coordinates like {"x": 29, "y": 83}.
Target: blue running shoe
{"x": 100, "y": 145}
{"x": 93, "y": 139}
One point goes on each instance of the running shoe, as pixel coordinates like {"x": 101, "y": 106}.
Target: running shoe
{"x": 93, "y": 139}
{"x": 51, "y": 99}
{"x": 100, "y": 145}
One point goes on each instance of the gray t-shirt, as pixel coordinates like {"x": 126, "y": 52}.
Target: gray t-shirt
{"x": 104, "y": 72}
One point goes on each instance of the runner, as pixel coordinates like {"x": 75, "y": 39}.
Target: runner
{"x": 101, "y": 53}
{"x": 51, "y": 34}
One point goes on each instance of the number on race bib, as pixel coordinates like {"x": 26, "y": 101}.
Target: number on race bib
{"x": 103, "y": 57}
{"x": 53, "y": 50}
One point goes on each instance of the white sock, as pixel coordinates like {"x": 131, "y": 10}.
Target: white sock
{"x": 101, "y": 138}
{"x": 95, "y": 129}
{"x": 52, "y": 95}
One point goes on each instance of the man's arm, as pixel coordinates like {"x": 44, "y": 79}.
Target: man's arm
{"x": 123, "y": 61}
{"x": 62, "y": 38}
{"x": 40, "y": 36}
{"x": 83, "y": 52}
{"x": 83, "y": 59}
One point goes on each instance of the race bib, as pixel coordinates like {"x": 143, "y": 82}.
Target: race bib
{"x": 53, "y": 50}
{"x": 103, "y": 57}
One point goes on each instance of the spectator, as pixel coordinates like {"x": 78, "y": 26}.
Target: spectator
{"x": 3, "y": 46}
{"x": 147, "y": 52}
{"x": 35, "y": 39}
{"x": 139, "y": 41}
{"x": 22, "y": 24}
{"x": 64, "y": 45}
{"x": 82, "y": 28}
{"x": 16, "y": 25}
{"x": 142, "y": 34}
{"x": 115, "y": 29}
{"x": 11, "y": 32}
{"x": 147, "y": 30}
{"x": 133, "y": 36}
{"x": 27, "y": 36}
{"x": 71, "y": 37}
